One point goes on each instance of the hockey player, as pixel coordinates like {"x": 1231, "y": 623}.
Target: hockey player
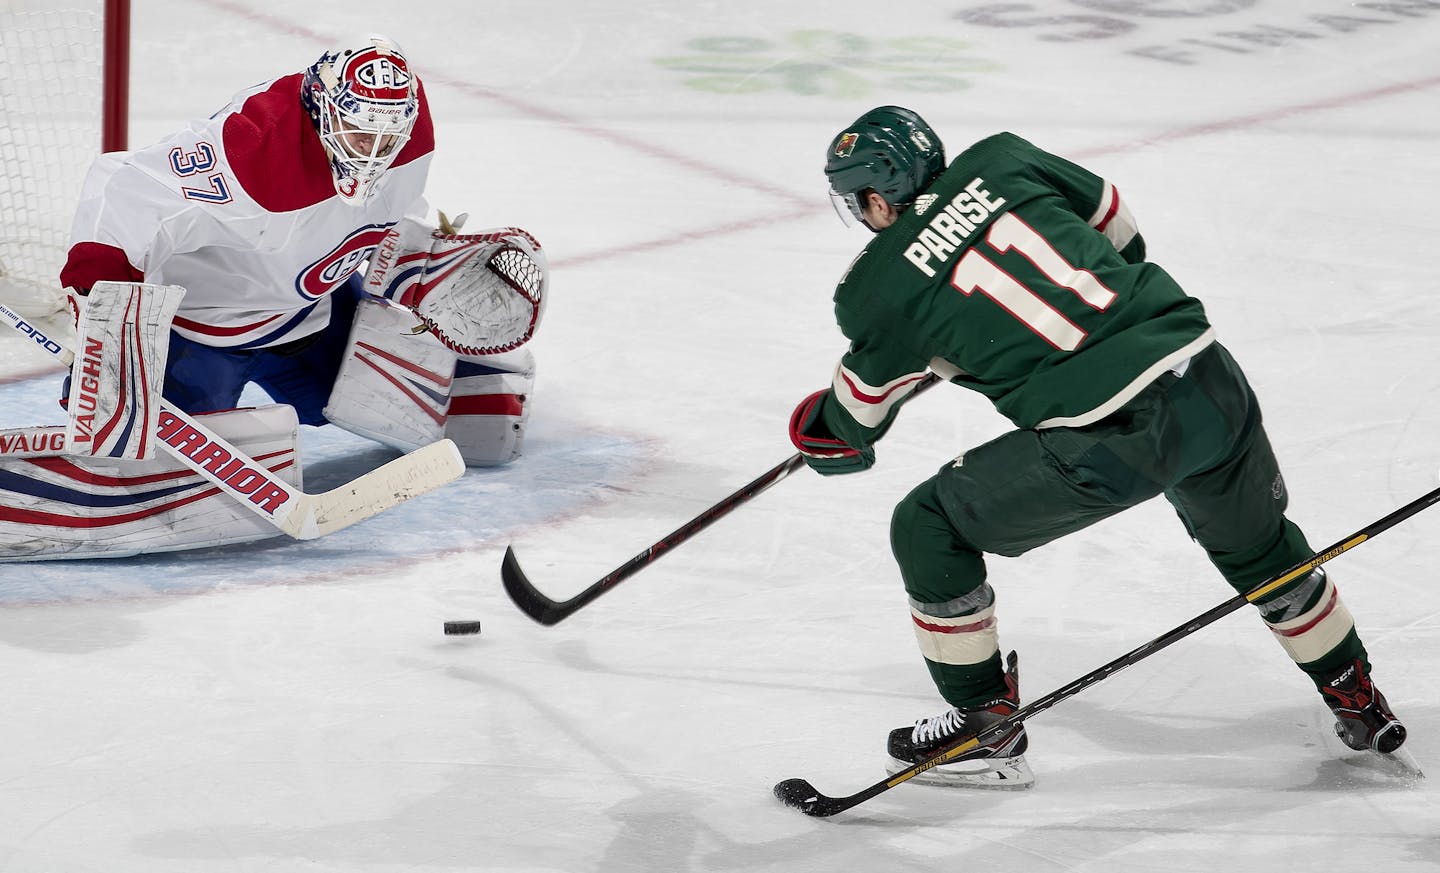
{"x": 1020, "y": 275}
{"x": 283, "y": 242}
{"x": 266, "y": 214}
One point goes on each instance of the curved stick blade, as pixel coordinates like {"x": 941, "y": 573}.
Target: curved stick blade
{"x": 527, "y": 597}
{"x": 801, "y": 795}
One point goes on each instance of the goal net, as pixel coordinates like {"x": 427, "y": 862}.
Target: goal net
{"x": 62, "y": 84}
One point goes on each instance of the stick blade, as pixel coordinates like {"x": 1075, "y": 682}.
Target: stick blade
{"x": 801, "y": 795}
{"x": 527, "y": 598}
{"x": 391, "y": 484}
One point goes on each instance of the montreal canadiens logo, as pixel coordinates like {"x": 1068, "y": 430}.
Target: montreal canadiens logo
{"x": 379, "y": 77}
{"x": 322, "y": 277}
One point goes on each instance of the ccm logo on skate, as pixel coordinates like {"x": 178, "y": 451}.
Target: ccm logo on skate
{"x": 255, "y": 485}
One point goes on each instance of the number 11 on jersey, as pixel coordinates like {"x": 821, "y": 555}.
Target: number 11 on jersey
{"x": 975, "y": 272}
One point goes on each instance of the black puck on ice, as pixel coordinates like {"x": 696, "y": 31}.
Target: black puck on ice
{"x": 459, "y": 628}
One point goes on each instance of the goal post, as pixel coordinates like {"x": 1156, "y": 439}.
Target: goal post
{"x": 64, "y": 96}
{"x": 115, "y": 78}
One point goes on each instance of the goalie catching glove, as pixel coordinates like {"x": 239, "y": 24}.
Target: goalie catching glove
{"x": 479, "y": 294}
{"x": 825, "y": 453}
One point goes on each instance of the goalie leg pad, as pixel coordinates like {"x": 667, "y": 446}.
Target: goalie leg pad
{"x": 490, "y": 406}
{"x": 68, "y": 507}
{"x": 32, "y": 442}
{"x": 121, "y": 346}
{"x": 394, "y": 385}
{"x": 407, "y": 390}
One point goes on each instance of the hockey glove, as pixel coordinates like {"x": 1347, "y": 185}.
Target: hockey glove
{"x": 824, "y": 452}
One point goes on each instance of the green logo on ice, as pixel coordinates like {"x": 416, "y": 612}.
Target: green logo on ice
{"x": 827, "y": 63}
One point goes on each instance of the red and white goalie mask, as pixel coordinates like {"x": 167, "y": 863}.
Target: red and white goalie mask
{"x": 364, "y": 103}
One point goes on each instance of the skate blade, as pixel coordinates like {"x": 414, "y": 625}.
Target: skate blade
{"x": 1402, "y": 761}
{"x": 999, "y": 774}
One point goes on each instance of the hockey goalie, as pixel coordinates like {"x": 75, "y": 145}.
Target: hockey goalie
{"x": 282, "y": 242}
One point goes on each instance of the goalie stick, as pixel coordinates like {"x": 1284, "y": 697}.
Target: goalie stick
{"x": 547, "y": 611}
{"x": 801, "y": 795}
{"x": 294, "y": 512}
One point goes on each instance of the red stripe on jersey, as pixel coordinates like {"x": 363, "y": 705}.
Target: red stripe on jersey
{"x": 876, "y": 398}
{"x": 1110, "y": 213}
{"x": 212, "y": 330}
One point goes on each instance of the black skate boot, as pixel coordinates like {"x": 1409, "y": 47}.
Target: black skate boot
{"x": 1363, "y": 719}
{"x": 1002, "y": 767}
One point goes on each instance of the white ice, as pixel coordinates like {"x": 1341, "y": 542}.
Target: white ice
{"x": 293, "y": 706}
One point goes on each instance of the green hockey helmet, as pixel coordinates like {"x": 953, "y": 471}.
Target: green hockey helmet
{"x": 890, "y": 150}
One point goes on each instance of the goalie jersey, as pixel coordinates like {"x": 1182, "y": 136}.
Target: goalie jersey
{"x": 241, "y": 210}
{"x": 1017, "y": 274}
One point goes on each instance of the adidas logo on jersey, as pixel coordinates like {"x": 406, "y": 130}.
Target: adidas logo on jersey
{"x": 953, "y": 223}
{"x": 924, "y": 202}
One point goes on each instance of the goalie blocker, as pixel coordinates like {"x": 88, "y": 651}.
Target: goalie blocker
{"x": 461, "y": 373}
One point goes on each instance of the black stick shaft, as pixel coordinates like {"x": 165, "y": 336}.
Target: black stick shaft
{"x": 535, "y": 604}
{"x": 546, "y": 611}
{"x": 800, "y": 794}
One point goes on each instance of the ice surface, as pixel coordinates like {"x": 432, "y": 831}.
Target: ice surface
{"x": 295, "y": 707}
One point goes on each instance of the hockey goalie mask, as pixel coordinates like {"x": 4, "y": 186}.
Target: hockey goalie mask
{"x": 363, "y": 103}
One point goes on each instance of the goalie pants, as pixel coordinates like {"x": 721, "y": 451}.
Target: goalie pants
{"x": 1197, "y": 439}
{"x": 201, "y": 378}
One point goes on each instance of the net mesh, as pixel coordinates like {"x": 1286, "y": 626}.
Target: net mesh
{"x": 520, "y": 270}
{"x": 51, "y": 56}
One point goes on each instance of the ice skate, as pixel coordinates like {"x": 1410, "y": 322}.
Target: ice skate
{"x": 1363, "y": 718}
{"x": 1002, "y": 767}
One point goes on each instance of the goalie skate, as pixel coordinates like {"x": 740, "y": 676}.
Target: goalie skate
{"x": 1001, "y": 763}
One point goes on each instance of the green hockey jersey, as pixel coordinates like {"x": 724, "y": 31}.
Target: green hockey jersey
{"x": 1020, "y": 275}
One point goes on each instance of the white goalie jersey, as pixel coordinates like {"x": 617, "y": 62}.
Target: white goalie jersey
{"x": 242, "y": 211}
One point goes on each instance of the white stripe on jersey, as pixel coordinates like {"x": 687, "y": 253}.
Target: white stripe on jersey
{"x": 1112, "y": 218}
{"x": 867, "y": 404}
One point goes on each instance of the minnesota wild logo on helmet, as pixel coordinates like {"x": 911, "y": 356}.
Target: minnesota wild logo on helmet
{"x": 889, "y": 149}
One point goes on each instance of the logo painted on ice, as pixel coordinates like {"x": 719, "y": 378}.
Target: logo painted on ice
{"x": 323, "y": 276}
{"x": 828, "y": 63}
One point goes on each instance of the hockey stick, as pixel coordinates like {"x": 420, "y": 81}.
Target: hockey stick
{"x": 801, "y": 795}
{"x": 301, "y": 515}
{"x": 543, "y": 609}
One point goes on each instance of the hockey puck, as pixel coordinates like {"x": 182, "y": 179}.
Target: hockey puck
{"x": 460, "y": 628}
